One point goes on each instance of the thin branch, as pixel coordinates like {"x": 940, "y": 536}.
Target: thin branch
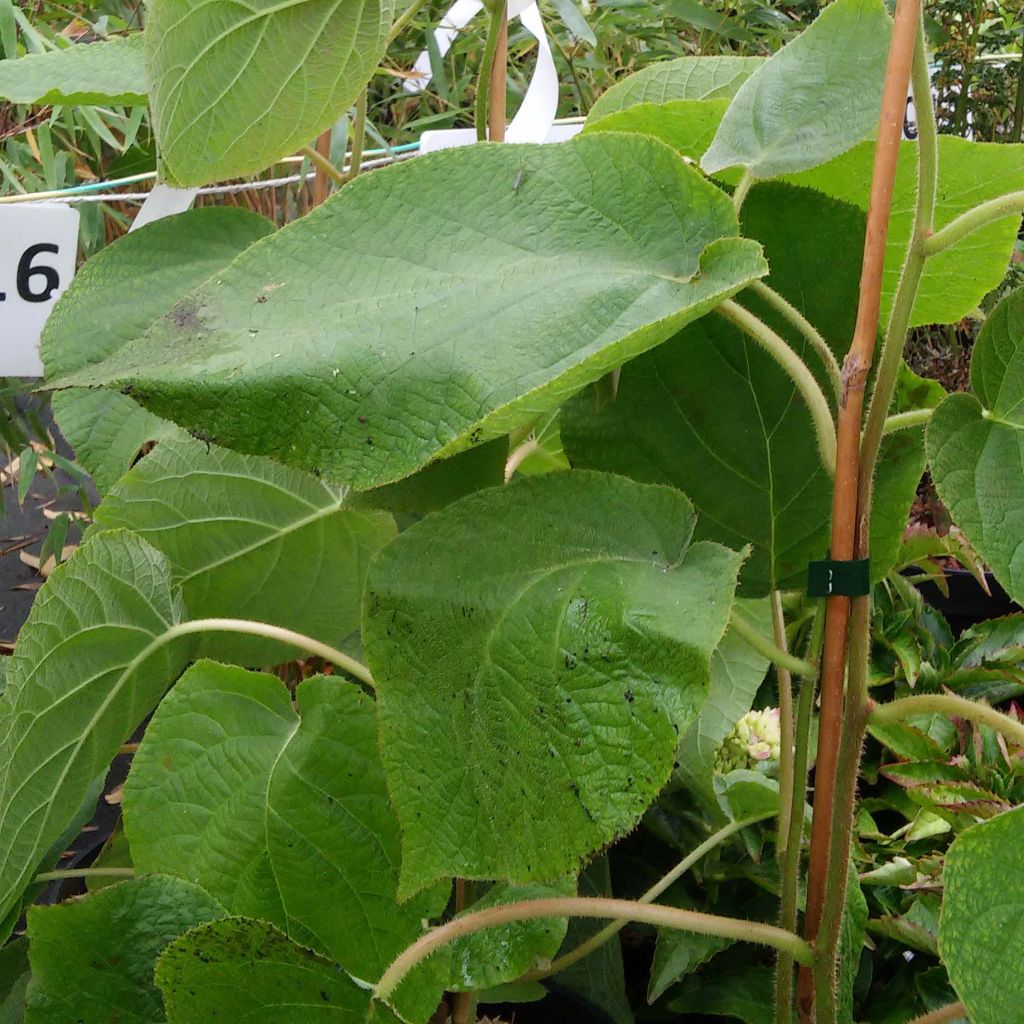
{"x": 949, "y": 704}
{"x": 786, "y": 724}
{"x": 798, "y": 372}
{"x": 584, "y": 949}
{"x": 978, "y": 217}
{"x": 805, "y": 327}
{"x": 355, "y": 163}
{"x": 57, "y": 876}
{"x": 286, "y": 636}
{"x": 789, "y": 866}
{"x": 763, "y": 645}
{"x": 591, "y": 907}
{"x": 906, "y": 420}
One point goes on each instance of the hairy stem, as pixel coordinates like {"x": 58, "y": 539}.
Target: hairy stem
{"x": 804, "y": 326}
{"x": 845, "y": 498}
{"x": 847, "y": 772}
{"x": 977, "y": 217}
{"x": 789, "y": 866}
{"x": 590, "y": 906}
{"x": 287, "y": 636}
{"x": 56, "y": 876}
{"x": 786, "y": 752}
{"x": 584, "y": 949}
{"x": 906, "y": 420}
{"x": 943, "y": 1015}
{"x": 776, "y": 655}
{"x": 483, "y": 85}
{"x": 797, "y": 370}
{"x": 739, "y": 194}
{"x": 952, "y": 705}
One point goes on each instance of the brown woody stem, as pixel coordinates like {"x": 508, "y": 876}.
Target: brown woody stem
{"x": 845, "y": 498}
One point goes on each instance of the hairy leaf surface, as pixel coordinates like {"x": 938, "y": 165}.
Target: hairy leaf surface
{"x": 976, "y": 447}
{"x": 688, "y": 126}
{"x": 981, "y": 929}
{"x": 107, "y": 72}
{"x": 970, "y": 173}
{"x": 243, "y": 969}
{"x": 88, "y": 667}
{"x": 482, "y": 319}
{"x": 280, "y": 813}
{"x": 814, "y": 99}
{"x": 248, "y": 538}
{"x": 685, "y": 78}
{"x": 711, "y": 413}
{"x": 100, "y": 313}
{"x": 93, "y": 958}
{"x": 235, "y": 86}
{"x": 538, "y": 649}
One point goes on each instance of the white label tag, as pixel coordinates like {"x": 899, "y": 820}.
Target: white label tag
{"x": 38, "y": 244}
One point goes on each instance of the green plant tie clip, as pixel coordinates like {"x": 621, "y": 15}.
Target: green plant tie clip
{"x": 829, "y": 578}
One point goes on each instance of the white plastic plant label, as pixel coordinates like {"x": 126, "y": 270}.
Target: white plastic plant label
{"x": 38, "y": 245}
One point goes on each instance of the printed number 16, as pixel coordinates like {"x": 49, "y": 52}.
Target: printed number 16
{"x": 26, "y": 271}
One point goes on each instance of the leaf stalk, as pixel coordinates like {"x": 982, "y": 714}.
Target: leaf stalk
{"x": 796, "y": 369}
{"x": 592, "y": 907}
{"x": 763, "y": 645}
{"x": 584, "y": 949}
{"x": 949, "y": 704}
{"x": 810, "y": 333}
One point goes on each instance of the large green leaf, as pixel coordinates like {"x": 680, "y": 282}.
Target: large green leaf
{"x": 108, "y": 72}
{"x": 241, "y": 969}
{"x": 88, "y": 667}
{"x": 497, "y": 955}
{"x": 116, "y": 295}
{"x": 737, "y": 671}
{"x": 685, "y": 78}
{"x": 688, "y": 126}
{"x": 14, "y": 979}
{"x": 249, "y": 538}
{"x": 280, "y": 813}
{"x": 236, "y": 86}
{"x": 976, "y": 447}
{"x": 538, "y": 648}
{"x": 459, "y": 334}
{"x": 93, "y": 958}
{"x": 814, "y": 99}
{"x": 970, "y": 173}
{"x": 981, "y": 930}
{"x": 730, "y": 429}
